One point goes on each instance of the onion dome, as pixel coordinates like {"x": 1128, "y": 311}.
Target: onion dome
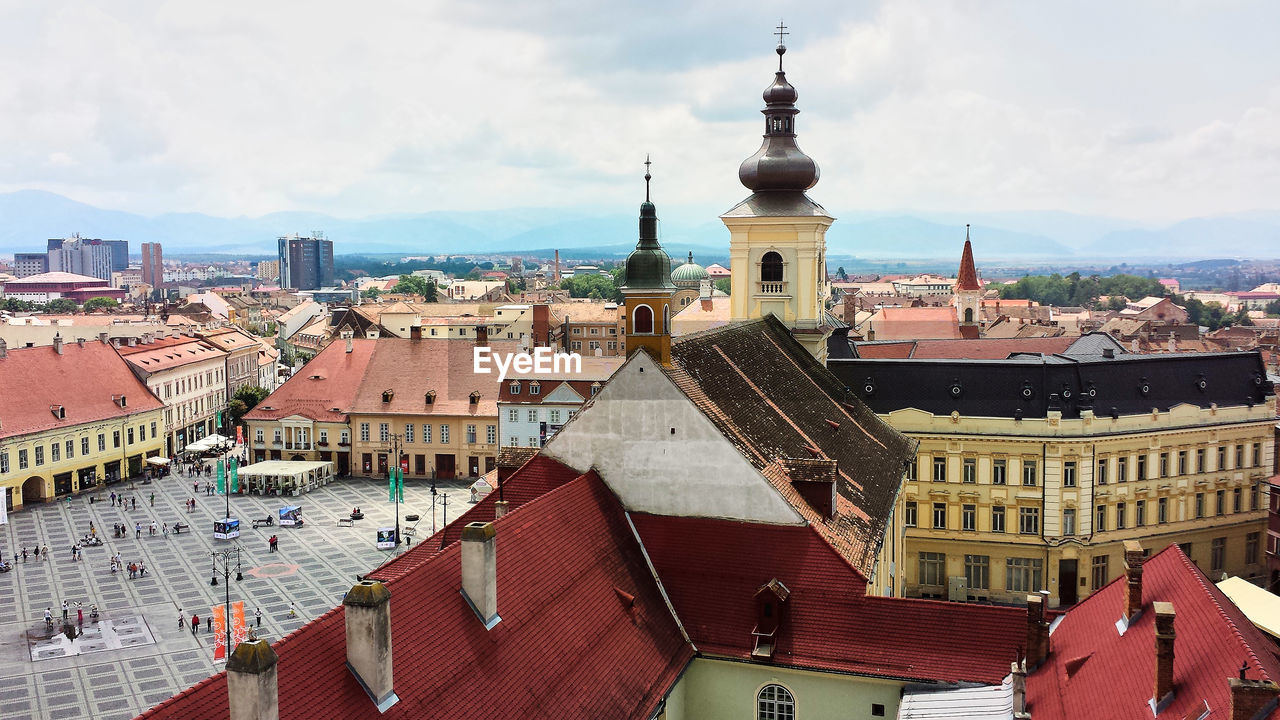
{"x": 648, "y": 266}
{"x": 689, "y": 274}
{"x": 779, "y": 164}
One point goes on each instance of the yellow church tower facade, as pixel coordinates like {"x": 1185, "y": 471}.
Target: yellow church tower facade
{"x": 778, "y": 245}
{"x": 647, "y": 289}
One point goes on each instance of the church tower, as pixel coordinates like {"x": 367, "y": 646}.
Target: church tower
{"x": 647, "y": 288}
{"x": 968, "y": 292}
{"x": 778, "y": 240}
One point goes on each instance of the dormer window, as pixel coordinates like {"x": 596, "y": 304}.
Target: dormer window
{"x": 475, "y": 398}
{"x": 58, "y": 411}
{"x": 595, "y": 388}
{"x": 771, "y": 601}
{"x": 431, "y": 397}
{"x": 515, "y": 387}
{"x": 119, "y": 400}
{"x": 535, "y": 388}
{"x": 387, "y": 395}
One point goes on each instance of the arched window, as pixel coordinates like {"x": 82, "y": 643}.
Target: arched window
{"x": 666, "y": 319}
{"x": 968, "y": 315}
{"x": 775, "y": 703}
{"x": 642, "y": 320}
{"x": 771, "y": 267}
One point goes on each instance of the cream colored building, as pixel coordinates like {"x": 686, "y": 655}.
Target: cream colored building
{"x": 72, "y": 417}
{"x": 189, "y": 375}
{"x": 1025, "y": 483}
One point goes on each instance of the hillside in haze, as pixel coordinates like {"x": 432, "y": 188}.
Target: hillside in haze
{"x": 29, "y": 217}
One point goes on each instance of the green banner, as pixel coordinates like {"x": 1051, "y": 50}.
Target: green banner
{"x": 391, "y": 486}
{"x": 400, "y": 483}
{"x": 235, "y": 476}
{"x": 222, "y": 479}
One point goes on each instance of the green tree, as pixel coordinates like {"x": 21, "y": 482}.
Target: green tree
{"x": 840, "y": 273}
{"x": 371, "y": 293}
{"x": 244, "y": 400}
{"x": 416, "y": 285}
{"x": 100, "y": 303}
{"x": 724, "y": 285}
{"x": 1272, "y": 308}
{"x": 61, "y": 305}
{"x": 16, "y": 305}
{"x": 474, "y": 274}
{"x": 597, "y": 287}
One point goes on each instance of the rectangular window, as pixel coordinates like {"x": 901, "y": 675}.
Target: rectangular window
{"x": 1186, "y": 549}
{"x": 471, "y": 434}
{"x": 1120, "y": 515}
{"x": 130, "y": 432}
{"x": 102, "y": 442}
{"x": 1200, "y": 460}
{"x": 1257, "y": 454}
{"x": 384, "y": 432}
{"x": 1199, "y": 505}
{"x": 1218, "y": 554}
{"x": 1236, "y": 500}
{"x": 533, "y": 442}
{"x": 491, "y": 434}
{"x": 1069, "y": 474}
{"x": 933, "y": 569}
{"x": 55, "y": 452}
{"x": 1101, "y": 475}
{"x": 1222, "y": 457}
{"x": 444, "y": 433}
{"x": 1029, "y": 473}
{"x": 535, "y": 389}
{"x": 1182, "y": 462}
{"x": 977, "y": 572}
{"x": 257, "y": 434}
{"x": 909, "y": 514}
{"x": 1162, "y": 511}
{"x": 513, "y": 441}
{"x": 1029, "y": 520}
{"x": 1220, "y": 502}
{"x": 1069, "y": 522}
{"x": 324, "y": 437}
{"x": 998, "y": 471}
{"x": 1239, "y": 456}
{"x": 142, "y": 432}
{"x": 408, "y": 431}
{"x": 115, "y": 436}
{"x": 940, "y": 516}
{"x": 997, "y": 519}
{"x": 970, "y": 471}
{"x": 532, "y": 416}
{"x": 1122, "y": 469}
{"x": 1251, "y": 548}
{"x": 39, "y": 455}
{"x": 344, "y": 438}
{"x": 426, "y": 433}
{"x": 1255, "y": 492}
{"x": 939, "y": 469}
{"x": 912, "y": 466}
{"x": 277, "y": 434}
{"x": 1023, "y": 574}
{"x": 513, "y": 415}
{"x": 968, "y": 517}
{"x": 1140, "y": 513}
{"x": 4, "y": 462}
{"x": 22, "y": 459}
{"x": 1099, "y": 571}
{"x": 84, "y": 445}
{"x": 553, "y": 417}
{"x": 1164, "y": 464}
{"x": 1142, "y": 466}
{"x": 364, "y": 432}
{"x": 1100, "y": 518}
{"x": 71, "y": 449}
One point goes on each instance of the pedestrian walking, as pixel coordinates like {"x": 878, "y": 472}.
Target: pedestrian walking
{"x": 24, "y": 554}
{"x": 292, "y": 611}
{"x": 65, "y": 609}
{"x": 79, "y": 614}
{"x": 137, "y": 531}
{"x": 142, "y": 568}
{"x": 195, "y": 624}
{"x": 153, "y": 527}
{"x": 45, "y": 552}
{"x": 209, "y": 623}
{"x": 257, "y": 616}
{"x": 195, "y": 487}
{"x": 164, "y": 529}
{"x": 182, "y": 620}
{"x": 113, "y": 499}
{"x": 134, "y": 499}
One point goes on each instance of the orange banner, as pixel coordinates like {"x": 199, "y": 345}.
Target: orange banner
{"x": 219, "y": 633}
{"x": 238, "y": 631}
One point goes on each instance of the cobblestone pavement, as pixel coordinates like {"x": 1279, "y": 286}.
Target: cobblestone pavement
{"x": 315, "y": 565}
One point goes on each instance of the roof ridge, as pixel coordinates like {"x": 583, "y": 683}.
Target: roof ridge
{"x": 1216, "y": 595}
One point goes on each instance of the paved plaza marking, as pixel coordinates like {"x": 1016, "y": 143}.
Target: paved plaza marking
{"x": 122, "y": 676}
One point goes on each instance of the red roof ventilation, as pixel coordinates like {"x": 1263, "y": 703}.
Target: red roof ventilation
{"x": 771, "y": 604}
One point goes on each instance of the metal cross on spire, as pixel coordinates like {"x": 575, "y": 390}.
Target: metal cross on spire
{"x": 647, "y": 177}
{"x": 782, "y": 42}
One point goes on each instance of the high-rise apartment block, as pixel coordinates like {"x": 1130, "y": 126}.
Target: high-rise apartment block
{"x": 28, "y": 264}
{"x": 82, "y": 256}
{"x": 306, "y": 263}
{"x": 267, "y": 270}
{"x": 152, "y": 264}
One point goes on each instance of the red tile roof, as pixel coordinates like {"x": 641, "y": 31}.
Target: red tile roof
{"x": 568, "y": 645}
{"x": 712, "y": 568}
{"x": 1116, "y": 673}
{"x": 967, "y": 279}
{"x": 912, "y": 323}
{"x": 412, "y": 368}
{"x": 167, "y": 353}
{"x": 323, "y": 389}
{"x": 82, "y": 380}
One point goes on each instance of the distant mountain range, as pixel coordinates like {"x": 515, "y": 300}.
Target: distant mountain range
{"x": 29, "y": 217}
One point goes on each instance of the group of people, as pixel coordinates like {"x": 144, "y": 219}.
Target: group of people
{"x": 191, "y": 505}
{"x": 135, "y": 569}
{"x": 125, "y": 502}
{"x": 39, "y": 552}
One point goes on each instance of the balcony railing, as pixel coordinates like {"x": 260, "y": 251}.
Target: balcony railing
{"x": 771, "y": 288}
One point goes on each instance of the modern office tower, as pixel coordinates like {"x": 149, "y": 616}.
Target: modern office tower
{"x": 306, "y": 263}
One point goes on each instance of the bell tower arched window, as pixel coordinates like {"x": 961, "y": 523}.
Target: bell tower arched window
{"x": 771, "y": 267}
{"x": 642, "y": 320}
{"x": 775, "y": 703}
{"x": 968, "y": 315}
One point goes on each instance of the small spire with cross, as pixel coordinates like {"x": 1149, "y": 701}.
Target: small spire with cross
{"x": 782, "y": 42}
{"x": 647, "y": 177}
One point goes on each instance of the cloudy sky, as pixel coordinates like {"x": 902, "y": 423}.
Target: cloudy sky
{"x": 1155, "y": 110}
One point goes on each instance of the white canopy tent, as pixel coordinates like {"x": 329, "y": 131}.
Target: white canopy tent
{"x": 284, "y": 477}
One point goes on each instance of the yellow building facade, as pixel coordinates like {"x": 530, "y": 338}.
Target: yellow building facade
{"x": 431, "y": 445}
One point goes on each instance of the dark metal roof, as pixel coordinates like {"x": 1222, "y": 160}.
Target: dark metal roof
{"x": 777, "y": 203}
{"x": 1030, "y": 386}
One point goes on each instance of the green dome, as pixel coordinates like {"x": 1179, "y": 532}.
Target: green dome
{"x": 648, "y": 266}
{"x": 689, "y": 274}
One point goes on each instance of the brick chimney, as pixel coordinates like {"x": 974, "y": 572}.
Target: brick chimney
{"x": 367, "y": 607}
{"x": 1253, "y": 699}
{"x": 482, "y": 335}
{"x": 1133, "y": 558}
{"x": 480, "y": 571}
{"x": 1037, "y": 632}
{"x": 57, "y": 343}
{"x": 1164, "y": 653}
{"x": 252, "y": 686}
{"x": 541, "y": 325}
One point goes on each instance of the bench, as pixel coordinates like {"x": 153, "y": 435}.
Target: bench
{"x": 179, "y": 527}
{"x": 346, "y": 522}
{"x": 258, "y": 522}
{"x": 411, "y": 518}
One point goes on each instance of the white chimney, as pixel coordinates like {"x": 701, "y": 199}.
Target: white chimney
{"x": 1173, "y": 343}
{"x": 57, "y": 343}
{"x": 480, "y": 571}
{"x": 252, "y": 686}
{"x": 367, "y": 607}
{"x": 1019, "y": 687}
{"x": 347, "y": 335}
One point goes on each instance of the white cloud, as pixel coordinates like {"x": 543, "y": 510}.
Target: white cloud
{"x": 1150, "y": 110}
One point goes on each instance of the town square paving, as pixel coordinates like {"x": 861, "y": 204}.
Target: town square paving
{"x": 139, "y": 656}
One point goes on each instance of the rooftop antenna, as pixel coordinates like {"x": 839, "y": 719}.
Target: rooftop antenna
{"x": 782, "y": 42}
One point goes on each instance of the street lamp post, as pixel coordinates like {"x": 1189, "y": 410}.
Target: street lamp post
{"x": 225, "y": 556}
{"x": 395, "y": 446}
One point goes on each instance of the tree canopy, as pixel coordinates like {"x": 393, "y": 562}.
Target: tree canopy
{"x": 416, "y": 285}
{"x": 1075, "y": 290}
{"x": 100, "y": 303}
{"x": 246, "y": 399}
{"x": 61, "y": 305}
{"x": 596, "y": 287}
